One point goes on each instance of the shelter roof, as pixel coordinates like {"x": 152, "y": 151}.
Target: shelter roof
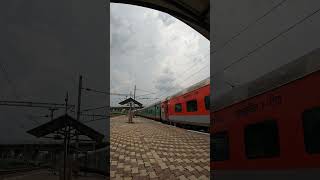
{"x": 130, "y": 100}
{"x": 62, "y": 122}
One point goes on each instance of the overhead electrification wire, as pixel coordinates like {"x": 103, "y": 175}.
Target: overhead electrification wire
{"x": 193, "y": 57}
{"x": 184, "y": 73}
{"x": 145, "y": 90}
{"x": 91, "y": 109}
{"x": 188, "y": 69}
{"x": 145, "y": 94}
{"x": 98, "y": 119}
{"x": 14, "y": 92}
{"x": 248, "y": 26}
{"x": 174, "y": 87}
{"x": 239, "y": 33}
{"x": 243, "y": 58}
{"x": 193, "y": 65}
{"x": 162, "y": 95}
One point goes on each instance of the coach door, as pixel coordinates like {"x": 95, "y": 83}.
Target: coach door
{"x": 164, "y": 111}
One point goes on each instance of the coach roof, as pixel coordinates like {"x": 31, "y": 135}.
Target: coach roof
{"x": 198, "y": 85}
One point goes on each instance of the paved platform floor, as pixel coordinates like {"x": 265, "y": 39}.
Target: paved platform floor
{"x": 148, "y": 149}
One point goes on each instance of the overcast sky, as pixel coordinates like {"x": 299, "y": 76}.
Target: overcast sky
{"x": 45, "y": 46}
{"x": 154, "y": 51}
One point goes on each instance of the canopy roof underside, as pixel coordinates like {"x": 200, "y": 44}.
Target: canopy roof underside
{"x": 194, "y": 13}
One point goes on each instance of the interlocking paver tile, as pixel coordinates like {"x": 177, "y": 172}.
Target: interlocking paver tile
{"x": 190, "y": 168}
{"x": 143, "y": 173}
{"x": 148, "y": 149}
{"x": 152, "y": 175}
{"x": 172, "y": 167}
{"x": 182, "y": 177}
{"x": 135, "y": 170}
{"x": 203, "y": 177}
{"x": 127, "y": 168}
{"x": 192, "y": 177}
{"x": 199, "y": 168}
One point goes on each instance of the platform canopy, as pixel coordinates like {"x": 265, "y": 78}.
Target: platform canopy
{"x": 195, "y": 13}
{"x": 130, "y": 100}
{"x": 62, "y": 122}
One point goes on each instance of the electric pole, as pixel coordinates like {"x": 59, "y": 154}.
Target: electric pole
{"x": 130, "y": 113}
{"x": 65, "y": 140}
{"x": 78, "y": 114}
{"x": 134, "y": 97}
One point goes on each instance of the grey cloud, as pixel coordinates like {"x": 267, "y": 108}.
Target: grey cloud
{"x": 147, "y": 49}
{"x": 120, "y": 32}
{"x": 165, "y": 83}
{"x": 166, "y": 19}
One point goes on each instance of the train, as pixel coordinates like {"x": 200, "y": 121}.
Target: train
{"x": 267, "y": 128}
{"x": 189, "y": 108}
{"x": 272, "y": 129}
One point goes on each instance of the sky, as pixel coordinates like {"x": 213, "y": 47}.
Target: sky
{"x": 45, "y": 46}
{"x": 154, "y": 51}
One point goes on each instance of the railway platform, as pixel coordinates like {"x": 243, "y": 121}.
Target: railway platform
{"x": 147, "y": 149}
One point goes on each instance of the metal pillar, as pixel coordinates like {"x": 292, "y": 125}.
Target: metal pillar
{"x": 65, "y": 157}
{"x": 134, "y": 96}
{"x": 78, "y": 115}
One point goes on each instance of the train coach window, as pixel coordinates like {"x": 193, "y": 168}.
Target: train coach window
{"x": 311, "y": 126}
{"x": 262, "y": 140}
{"x": 178, "y": 107}
{"x": 192, "y": 106}
{"x": 219, "y": 143}
{"x": 207, "y": 102}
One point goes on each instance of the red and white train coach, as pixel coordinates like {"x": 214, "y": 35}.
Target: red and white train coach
{"x": 274, "y": 134}
{"x": 189, "y": 107}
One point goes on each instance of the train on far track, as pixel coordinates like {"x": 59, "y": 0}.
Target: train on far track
{"x": 189, "y": 108}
